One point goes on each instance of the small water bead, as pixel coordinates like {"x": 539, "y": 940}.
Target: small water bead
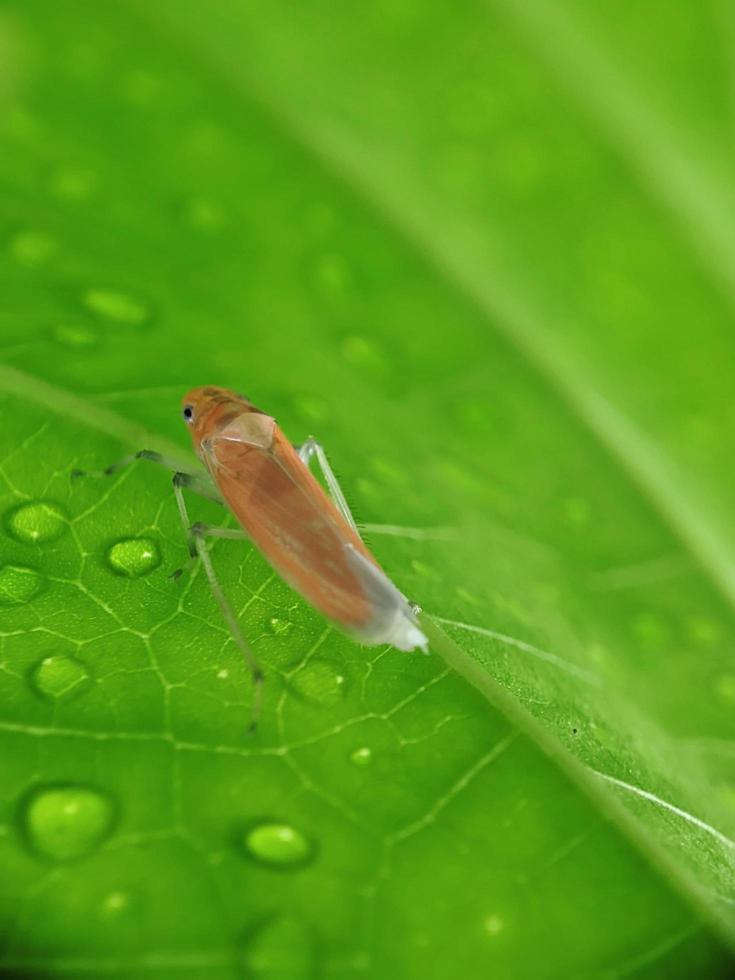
{"x": 60, "y": 677}
{"x": 493, "y": 925}
{"x": 18, "y": 584}
{"x": 31, "y": 248}
{"x": 67, "y": 822}
{"x": 115, "y": 903}
{"x": 278, "y": 844}
{"x": 319, "y": 683}
{"x": 37, "y": 522}
{"x": 75, "y": 335}
{"x": 134, "y": 557}
{"x": 362, "y": 756}
{"x": 117, "y": 305}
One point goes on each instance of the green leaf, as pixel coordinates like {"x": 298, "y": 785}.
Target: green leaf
{"x": 484, "y": 253}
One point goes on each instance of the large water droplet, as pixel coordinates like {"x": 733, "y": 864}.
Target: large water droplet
{"x": 36, "y": 522}
{"x": 134, "y": 557}
{"x": 66, "y": 822}
{"x": 362, "y": 756}
{"x": 319, "y": 683}
{"x": 60, "y": 677}
{"x": 117, "y": 305}
{"x": 18, "y": 584}
{"x": 278, "y": 844}
{"x": 31, "y": 248}
{"x": 76, "y": 335}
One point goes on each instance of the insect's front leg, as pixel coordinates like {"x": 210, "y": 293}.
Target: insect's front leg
{"x": 197, "y": 483}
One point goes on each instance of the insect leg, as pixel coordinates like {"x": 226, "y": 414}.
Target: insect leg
{"x": 197, "y": 483}
{"x": 313, "y": 448}
{"x": 256, "y": 671}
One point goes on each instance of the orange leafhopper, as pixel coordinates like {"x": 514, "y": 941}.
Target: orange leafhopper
{"x": 306, "y": 535}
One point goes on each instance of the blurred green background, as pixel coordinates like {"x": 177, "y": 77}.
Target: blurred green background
{"x": 485, "y": 253}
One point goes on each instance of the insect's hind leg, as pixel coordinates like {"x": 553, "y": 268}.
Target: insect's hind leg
{"x": 195, "y": 482}
{"x": 198, "y": 533}
{"x": 312, "y": 448}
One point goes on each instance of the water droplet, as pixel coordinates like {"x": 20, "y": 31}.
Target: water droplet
{"x": 362, "y": 756}
{"x": 60, "y": 677}
{"x": 725, "y": 687}
{"x": 576, "y": 511}
{"x": 66, "y": 822}
{"x": 18, "y": 584}
{"x": 74, "y": 335}
{"x": 493, "y": 925}
{"x": 278, "y": 844}
{"x": 282, "y": 949}
{"x": 134, "y": 556}
{"x": 117, "y": 305}
{"x": 319, "y": 683}
{"x": 31, "y": 248}
{"x": 36, "y": 522}
{"x": 72, "y": 185}
{"x": 280, "y": 627}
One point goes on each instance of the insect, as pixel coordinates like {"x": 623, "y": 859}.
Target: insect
{"x": 310, "y": 538}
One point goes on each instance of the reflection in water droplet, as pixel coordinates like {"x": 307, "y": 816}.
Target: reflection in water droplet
{"x": 319, "y": 683}
{"x": 283, "y": 949}
{"x": 18, "y": 584}
{"x": 278, "y": 844}
{"x": 117, "y": 305}
{"x": 362, "y": 756}
{"x": 66, "y": 822}
{"x": 60, "y": 677}
{"x": 134, "y": 556}
{"x": 31, "y": 248}
{"x": 36, "y": 522}
{"x": 280, "y": 627}
{"x": 74, "y": 335}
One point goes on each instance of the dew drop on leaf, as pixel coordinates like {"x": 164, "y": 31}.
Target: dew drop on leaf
{"x": 134, "y": 557}
{"x": 362, "y": 756}
{"x": 493, "y": 925}
{"x": 319, "y": 683}
{"x": 66, "y": 822}
{"x": 18, "y": 584}
{"x": 60, "y": 677}
{"x": 36, "y": 522}
{"x": 76, "y": 335}
{"x": 278, "y": 844}
{"x": 117, "y": 305}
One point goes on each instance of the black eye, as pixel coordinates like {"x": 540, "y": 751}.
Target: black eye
{"x": 188, "y": 413}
